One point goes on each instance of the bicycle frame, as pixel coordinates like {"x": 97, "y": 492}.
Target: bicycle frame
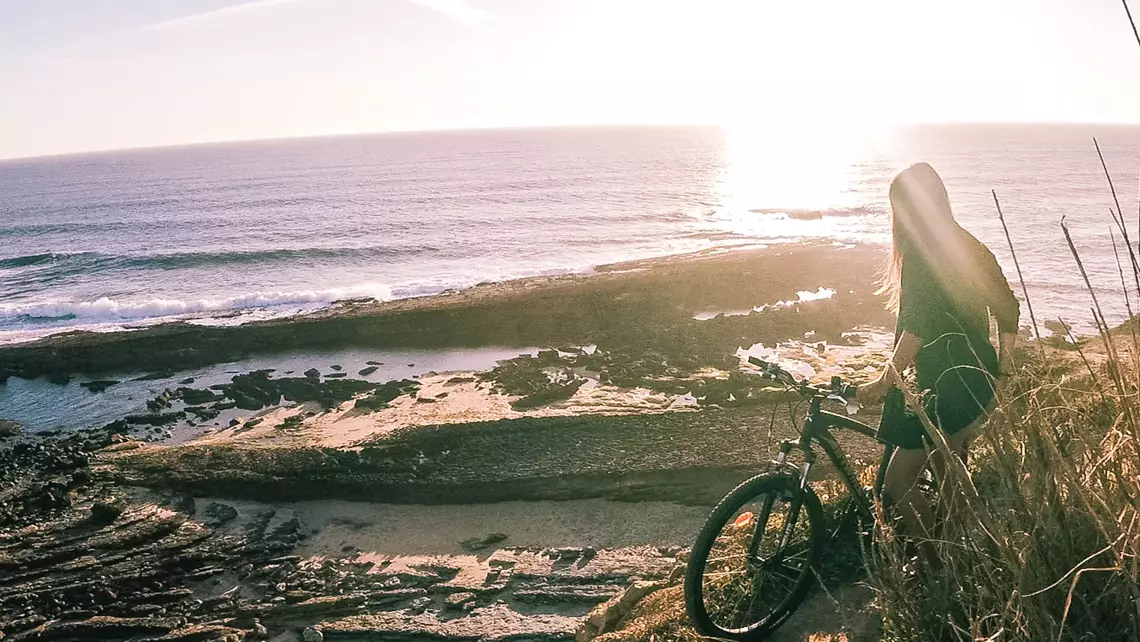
{"x": 817, "y": 429}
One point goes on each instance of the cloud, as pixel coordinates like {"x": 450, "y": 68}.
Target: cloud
{"x": 217, "y": 13}
{"x": 460, "y": 10}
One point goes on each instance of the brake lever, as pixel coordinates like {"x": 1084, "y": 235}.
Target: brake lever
{"x": 850, "y": 404}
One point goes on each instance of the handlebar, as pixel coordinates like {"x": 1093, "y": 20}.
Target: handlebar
{"x": 836, "y": 390}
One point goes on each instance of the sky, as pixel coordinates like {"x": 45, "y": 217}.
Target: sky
{"x": 80, "y": 75}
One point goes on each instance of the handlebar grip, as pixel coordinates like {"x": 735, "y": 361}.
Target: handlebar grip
{"x": 844, "y": 390}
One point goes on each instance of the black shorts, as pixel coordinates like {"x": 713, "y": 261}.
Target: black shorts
{"x": 955, "y": 402}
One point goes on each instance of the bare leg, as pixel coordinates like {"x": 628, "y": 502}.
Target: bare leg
{"x": 951, "y": 499}
{"x": 901, "y": 487}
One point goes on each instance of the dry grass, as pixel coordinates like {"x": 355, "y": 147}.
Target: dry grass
{"x": 658, "y": 618}
{"x": 1047, "y": 546}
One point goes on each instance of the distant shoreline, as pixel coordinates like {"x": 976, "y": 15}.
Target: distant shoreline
{"x": 524, "y": 128}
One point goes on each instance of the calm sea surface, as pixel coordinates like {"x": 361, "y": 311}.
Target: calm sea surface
{"x": 230, "y": 232}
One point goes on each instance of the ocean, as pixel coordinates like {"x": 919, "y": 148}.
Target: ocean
{"x": 230, "y": 232}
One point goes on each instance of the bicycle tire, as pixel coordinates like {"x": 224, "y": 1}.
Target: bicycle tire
{"x": 775, "y": 485}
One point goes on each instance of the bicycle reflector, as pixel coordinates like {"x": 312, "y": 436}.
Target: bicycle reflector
{"x": 743, "y": 520}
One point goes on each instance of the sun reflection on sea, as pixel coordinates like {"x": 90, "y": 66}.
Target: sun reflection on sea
{"x": 784, "y": 182}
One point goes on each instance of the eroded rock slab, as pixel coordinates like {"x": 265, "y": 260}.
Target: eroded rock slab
{"x": 489, "y": 624}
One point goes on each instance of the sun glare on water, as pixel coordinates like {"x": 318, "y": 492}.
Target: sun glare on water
{"x": 781, "y": 174}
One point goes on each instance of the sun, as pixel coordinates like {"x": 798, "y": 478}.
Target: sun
{"x": 791, "y": 163}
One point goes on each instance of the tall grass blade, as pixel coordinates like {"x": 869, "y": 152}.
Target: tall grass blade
{"x": 1127, "y": 305}
{"x": 1119, "y": 221}
{"x": 1084, "y": 274}
{"x": 1131, "y": 21}
{"x": 1017, "y": 265}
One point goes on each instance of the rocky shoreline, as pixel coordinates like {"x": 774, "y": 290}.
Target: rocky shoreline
{"x": 640, "y": 304}
{"x": 246, "y": 529}
{"x": 82, "y": 558}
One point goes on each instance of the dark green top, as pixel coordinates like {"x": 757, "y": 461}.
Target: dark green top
{"x": 949, "y": 311}
{"x": 938, "y": 304}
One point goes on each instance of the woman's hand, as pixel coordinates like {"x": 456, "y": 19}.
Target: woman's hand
{"x": 872, "y": 393}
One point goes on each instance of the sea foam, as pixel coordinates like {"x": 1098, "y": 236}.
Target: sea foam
{"x": 108, "y": 309}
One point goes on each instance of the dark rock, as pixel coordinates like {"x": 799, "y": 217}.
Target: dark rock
{"x": 382, "y": 395}
{"x": 99, "y": 386}
{"x": 218, "y": 514}
{"x": 367, "y": 371}
{"x": 549, "y": 357}
{"x": 106, "y": 511}
{"x": 203, "y": 413}
{"x": 203, "y": 574}
{"x": 9, "y": 428}
{"x": 160, "y": 419}
{"x": 58, "y": 378}
{"x": 79, "y": 479}
{"x": 482, "y": 543}
{"x": 313, "y": 373}
{"x": 198, "y": 397}
{"x": 246, "y": 402}
{"x": 25, "y": 623}
{"x": 336, "y": 375}
{"x": 420, "y": 604}
{"x": 292, "y": 421}
{"x": 187, "y": 381}
{"x": 337, "y": 367}
{"x": 286, "y": 529}
{"x": 374, "y": 363}
{"x": 312, "y": 634}
{"x": 551, "y": 394}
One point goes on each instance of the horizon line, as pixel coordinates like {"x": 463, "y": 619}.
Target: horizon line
{"x": 491, "y": 128}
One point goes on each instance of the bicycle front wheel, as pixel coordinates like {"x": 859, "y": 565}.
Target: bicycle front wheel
{"x": 754, "y": 561}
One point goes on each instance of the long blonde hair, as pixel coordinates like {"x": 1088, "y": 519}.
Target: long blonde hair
{"x": 921, "y": 220}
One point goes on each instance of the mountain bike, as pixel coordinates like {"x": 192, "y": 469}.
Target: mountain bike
{"x": 754, "y": 561}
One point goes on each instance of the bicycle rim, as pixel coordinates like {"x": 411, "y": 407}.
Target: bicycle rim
{"x": 760, "y": 558}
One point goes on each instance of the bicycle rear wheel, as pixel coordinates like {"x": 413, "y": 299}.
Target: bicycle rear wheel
{"x": 754, "y": 561}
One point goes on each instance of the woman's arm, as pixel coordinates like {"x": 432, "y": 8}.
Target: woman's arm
{"x": 1006, "y": 343}
{"x": 906, "y": 350}
{"x": 1006, "y": 309}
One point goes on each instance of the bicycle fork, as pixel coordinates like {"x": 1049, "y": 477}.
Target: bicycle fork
{"x": 781, "y": 463}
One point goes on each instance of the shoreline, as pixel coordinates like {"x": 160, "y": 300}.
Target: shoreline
{"x": 620, "y": 303}
{"x": 500, "y": 503}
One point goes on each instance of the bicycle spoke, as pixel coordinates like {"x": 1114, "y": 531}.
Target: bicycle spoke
{"x": 748, "y": 574}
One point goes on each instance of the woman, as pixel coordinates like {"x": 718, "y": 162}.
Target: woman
{"x": 940, "y": 282}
